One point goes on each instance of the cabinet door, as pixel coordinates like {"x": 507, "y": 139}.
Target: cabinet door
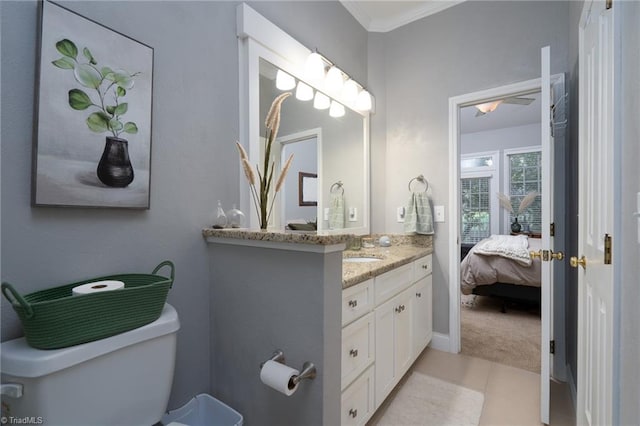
{"x": 422, "y": 314}
{"x": 385, "y": 349}
{"x": 402, "y": 333}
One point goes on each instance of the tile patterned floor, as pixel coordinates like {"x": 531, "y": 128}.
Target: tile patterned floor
{"x": 511, "y": 395}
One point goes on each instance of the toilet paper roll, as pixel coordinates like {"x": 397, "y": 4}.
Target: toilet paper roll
{"x": 279, "y": 377}
{"x": 97, "y": 286}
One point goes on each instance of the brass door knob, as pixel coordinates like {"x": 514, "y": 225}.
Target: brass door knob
{"x": 536, "y": 254}
{"x": 575, "y": 262}
{"x": 557, "y": 256}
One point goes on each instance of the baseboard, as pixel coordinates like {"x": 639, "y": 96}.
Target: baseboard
{"x": 440, "y": 342}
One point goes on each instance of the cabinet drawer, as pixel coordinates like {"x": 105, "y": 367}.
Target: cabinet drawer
{"x": 393, "y": 282}
{"x": 357, "y": 400}
{"x": 357, "y": 348}
{"x": 422, "y": 267}
{"x": 357, "y": 301}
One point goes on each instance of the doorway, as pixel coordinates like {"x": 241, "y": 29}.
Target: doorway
{"x": 500, "y": 167}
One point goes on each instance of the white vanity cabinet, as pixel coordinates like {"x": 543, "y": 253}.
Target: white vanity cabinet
{"x": 387, "y": 323}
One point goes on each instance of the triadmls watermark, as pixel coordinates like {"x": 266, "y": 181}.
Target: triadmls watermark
{"x": 25, "y": 420}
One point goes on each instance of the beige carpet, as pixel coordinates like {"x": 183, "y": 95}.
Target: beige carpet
{"x": 426, "y": 401}
{"x": 512, "y": 338}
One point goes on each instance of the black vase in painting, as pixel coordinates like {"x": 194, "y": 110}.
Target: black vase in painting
{"x": 114, "y": 168}
{"x": 515, "y": 226}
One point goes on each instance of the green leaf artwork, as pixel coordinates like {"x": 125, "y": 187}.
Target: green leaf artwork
{"x": 110, "y": 87}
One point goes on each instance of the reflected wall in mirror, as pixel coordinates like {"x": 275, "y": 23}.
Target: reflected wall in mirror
{"x": 341, "y": 155}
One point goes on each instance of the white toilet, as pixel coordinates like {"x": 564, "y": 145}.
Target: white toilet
{"x": 121, "y": 380}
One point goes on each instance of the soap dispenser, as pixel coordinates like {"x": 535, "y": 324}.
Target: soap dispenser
{"x": 220, "y": 219}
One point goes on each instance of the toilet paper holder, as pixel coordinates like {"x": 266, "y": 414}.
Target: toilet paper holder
{"x": 308, "y": 369}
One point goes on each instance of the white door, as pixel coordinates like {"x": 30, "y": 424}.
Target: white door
{"x": 595, "y": 210}
{"x": 547, "y": 255}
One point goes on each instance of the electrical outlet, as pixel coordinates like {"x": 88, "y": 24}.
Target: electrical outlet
{"x": 353, "y": 214}
{"x": 438, "y": 212}
{"x": 326, "y": 213}
{"x": 400, "y": 213}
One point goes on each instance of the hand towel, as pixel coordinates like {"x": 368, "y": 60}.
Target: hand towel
{"x": 418, "y": 217}
{"x": 336, "y": 211}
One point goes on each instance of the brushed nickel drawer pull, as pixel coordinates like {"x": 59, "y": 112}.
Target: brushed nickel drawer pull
{"x": 353, "y": 303}
{"x": 353, "y": 352}
{"x": 353, "y": 413}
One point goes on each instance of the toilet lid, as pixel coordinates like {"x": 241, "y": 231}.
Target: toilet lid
{"x": 18, "y": 359}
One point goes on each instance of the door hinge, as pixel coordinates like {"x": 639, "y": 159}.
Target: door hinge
{"x": 552, "y": 347}
{"x": 552, "y": 229}
{"x": 609, "y": 4}
{"x": 607, "y": 249}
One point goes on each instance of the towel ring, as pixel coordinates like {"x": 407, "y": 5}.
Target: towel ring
{"x": 419, "y": 179}
{"x": 339, "y": 186}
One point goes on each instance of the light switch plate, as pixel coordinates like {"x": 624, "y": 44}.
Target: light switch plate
{"x": 400, "y": 212}
{"x": 438, "y": 212}
{"x": 353, "y": 214}
{"x": 326, "y": 213}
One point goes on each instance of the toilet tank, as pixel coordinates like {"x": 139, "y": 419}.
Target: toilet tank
{"x": 121, "y": 380}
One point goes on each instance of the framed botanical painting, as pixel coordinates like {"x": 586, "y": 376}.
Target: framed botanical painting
{"x": 92, "y": 145}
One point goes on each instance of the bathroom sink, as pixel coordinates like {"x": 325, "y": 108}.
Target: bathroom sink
{"x": 361, "y": 259}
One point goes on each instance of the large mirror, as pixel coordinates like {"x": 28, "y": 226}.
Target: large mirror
{"x": 331, "y": 148}
{"x": 340, "y": 145}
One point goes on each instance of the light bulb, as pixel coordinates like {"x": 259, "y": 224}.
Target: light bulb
{"x": 336, "y": 110}
{"x": 363, "y": 103}
{"x": 321, "y": 101}
{"x": 350, "y": 91}
{"x": 334, "y": 81}
{"x": 284, "y": 81}
{"x": 304, "y": 92}
{"x": 314, "y": 67}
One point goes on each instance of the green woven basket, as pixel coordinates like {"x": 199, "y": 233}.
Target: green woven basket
{"x": 54, "y": 319}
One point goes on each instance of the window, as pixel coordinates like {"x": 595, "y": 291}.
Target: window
{"x": 479, "y": 181}
{"x": 525, "y": 176}
{"x": 476, "y": 209}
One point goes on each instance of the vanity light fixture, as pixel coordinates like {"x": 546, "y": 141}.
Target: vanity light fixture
{"x": 284, "y": 81}
{"x": 350, "y": 91}
{"x": 314, "y": 67}
{"x": 488, "y": 106}
{"x": 334, "y": 80}
{"x": 363, "y": 102}
{"x": 336, "y": 110}
{"x": 321, "y": 101}
{"x": 304, "y": 92}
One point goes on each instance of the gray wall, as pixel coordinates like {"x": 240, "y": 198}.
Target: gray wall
{"x": 629, "y": 248}
{"x": 194, "y": 160}
{"x": 480, "y": 45}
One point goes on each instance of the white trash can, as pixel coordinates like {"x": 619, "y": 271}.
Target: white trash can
{"x": 203, "y": 410}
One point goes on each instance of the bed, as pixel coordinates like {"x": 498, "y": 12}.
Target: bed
{"x": 502, "y": 275}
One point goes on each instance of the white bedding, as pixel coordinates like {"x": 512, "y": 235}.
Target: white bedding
{"x": 514, "y": 247}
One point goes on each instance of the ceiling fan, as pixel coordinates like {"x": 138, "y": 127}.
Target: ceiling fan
{"x": 488, "y": 107}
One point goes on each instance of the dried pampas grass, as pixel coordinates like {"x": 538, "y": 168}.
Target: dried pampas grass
{"x": 526, "y": 201}
{"x": 505, "y": 202}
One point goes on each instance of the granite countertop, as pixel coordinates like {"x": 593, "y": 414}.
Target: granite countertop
{"x": 391, "y": 258}
{"x": 295, "y": 237}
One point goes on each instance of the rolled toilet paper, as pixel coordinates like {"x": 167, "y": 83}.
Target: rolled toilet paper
{"x": 97, "y": 286}
{"x": 279, "y": 377}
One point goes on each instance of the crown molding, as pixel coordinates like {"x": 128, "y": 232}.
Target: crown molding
{"x": 389, "y": 23}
